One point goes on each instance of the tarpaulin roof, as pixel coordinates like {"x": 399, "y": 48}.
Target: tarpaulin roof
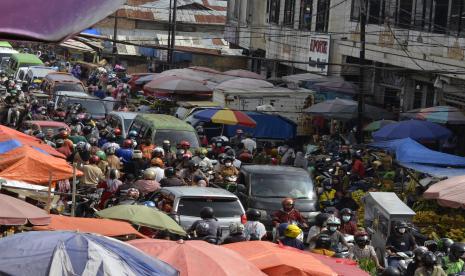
{"x": 269, "y": 126}
{"x": 418, "y": 157}
{"x": 105, "y": 227}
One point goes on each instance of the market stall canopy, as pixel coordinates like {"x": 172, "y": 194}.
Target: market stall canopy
{"x": 240, "y": 73}
{"x": 71, "y": 253}
{"x": 33, "y": 166}
{"x": 143, "y": 216}
{"x": 186, "y": 73}
{"x": 309, "y": 78}
{"x": 415, "y": 129}
{"x": 336, "y": 86}
{"x": 105, "y": 227}
{"x": 448, "y": 193}
{"x": 53, "y": 20}
{"x": 194, "y": 257}
{"x": 438, "y": 114}
{"x": 145, "y": 79}
{"x": 244, "y": 84}
{"x": 277, "y": 260}
{"x": 374, "y": 126}
{"x": 225, "y": 116}
{"x": 411, "y": 154}
{"x": 176, "y": 85}
{"x": 14, "y": 211}
{"x": 269, "y": 126}
{"x": 343, "y": 109}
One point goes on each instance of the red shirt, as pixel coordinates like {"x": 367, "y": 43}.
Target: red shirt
{"x": 358, "y": 168}
{"x": 281, "y": 216}
{"x": 348, "y": 228}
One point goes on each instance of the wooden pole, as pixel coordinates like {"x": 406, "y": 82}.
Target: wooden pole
{"x": 73, "y": 196}
{"x": 49, "y": 192}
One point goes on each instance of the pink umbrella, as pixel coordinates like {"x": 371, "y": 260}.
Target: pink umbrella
{"x": 244, "y": 83}
{"x": 448, "y": 193}
{"x": 244, "y": 74}
{"x": 204, "y": 69}
{"x": 176, "y": 85}
{"x": 17, "y": 212}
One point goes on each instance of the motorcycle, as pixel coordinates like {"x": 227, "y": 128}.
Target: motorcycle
{"x": 86, "y": 206}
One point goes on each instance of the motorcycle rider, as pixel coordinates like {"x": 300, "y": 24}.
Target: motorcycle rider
{"x": 147, "y": 148}
{"x": 228, "y": 170}
{"x": 236, "y": 139}
{"x": 157, "y": 167}
{"x": 190, "y": 172}
{"x": 429, "y": 266}
{"x": 363, "y": 249}
{"x": 254, "y": 230}
{"x": 328, "y": 195}
{"x": 323, "y": 245}
{"x": 348, "y": 226}
{"x": 337, "y": 238}
{"x": 125, "y": 153}
{"x": 171, "y": 180}
{"x": 185, "y": 145}
{"x": 204, "y": 162}
{"x": 288, "y": 214}
{"x": 76, "y": 137}
{"x": 236, "y": 233}
{"x": 92, "y": 174}
{"x": 453, "y": 263}
{"x": 416, "y": 262}
{"x": 110, "y": 186}
{"x": 207, "y": 216}
{"x": 170, "y": 156}
{"x": 137, "y": 164}
{"x": 290, "y": 237}
{"x": 315, "y": 230}
{"x": 444, "y": 245}
{"x": 112, "y": 159}
{"x": 132, "y": 196}
{"x": 148, "y": 184}
{"x": 399, "y": 241}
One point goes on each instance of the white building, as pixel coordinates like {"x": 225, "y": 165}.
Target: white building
{"x": 415, "y": 48}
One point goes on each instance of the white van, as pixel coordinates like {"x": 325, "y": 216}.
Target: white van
{"x": 38, "y": 72}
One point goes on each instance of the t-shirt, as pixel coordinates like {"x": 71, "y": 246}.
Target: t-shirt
{"x": 336, "y": 238}
{"x": 453, "y": 267}
{"x": 254, "y": 228}
{"x": 171, "y": 182}
{"x": 401, "y": 243}
{"x": 357, "y": 253}
{"x": 437, "y": 271}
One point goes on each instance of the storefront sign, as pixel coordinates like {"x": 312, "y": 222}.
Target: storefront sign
{"x": 319, "y": 47}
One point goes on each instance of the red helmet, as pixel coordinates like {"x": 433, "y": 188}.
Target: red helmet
{"x": 117, "y": 131}
{"x": 64, "y": 134}
{"x": 127, "y": 143}
{"x": 185, "y": 145}
{"x": 187, "y": 156}
{"x": 94, "y": 159}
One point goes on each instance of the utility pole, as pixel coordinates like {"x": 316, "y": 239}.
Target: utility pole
{"x": 173, "y": 32}
{"x": 361, "y": 96}
{"x": 115, "y": 33}
{"x": 168, "y": 55}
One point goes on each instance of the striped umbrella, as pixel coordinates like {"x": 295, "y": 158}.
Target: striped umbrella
{"x": 225, "y": 117}
{"x": 438, "y": 114}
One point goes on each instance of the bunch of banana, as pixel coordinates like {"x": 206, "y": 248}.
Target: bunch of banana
{"x": 426, "y": 217}
{"x": 456, "y": 234}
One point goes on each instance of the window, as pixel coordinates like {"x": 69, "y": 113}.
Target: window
{"x": 274, "y": 11}
{"x": 322, "y": 16}
{"x": 289, "y": 7}
{"x": 237, "y": 8}
{"x": 441, "y": 9}
{"x": 306, "y": 9}
{"x": 374, "y": 11}
{"x": 224, "y": 207}
{"x": 457, "y": 17}
{"x": 355, "y": 11}
{"x": 405, "y": 14}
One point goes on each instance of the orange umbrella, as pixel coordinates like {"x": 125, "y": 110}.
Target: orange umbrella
{"x": 278, "y": 260}
{"x": 105, "y": 227}
{"x": 197, "y": 257}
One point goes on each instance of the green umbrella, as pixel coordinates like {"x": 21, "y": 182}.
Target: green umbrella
{"x": 373, "y": 126}
{"x": 143, "y": 216}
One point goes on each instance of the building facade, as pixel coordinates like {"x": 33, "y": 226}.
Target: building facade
{"x": 414, "y": 48}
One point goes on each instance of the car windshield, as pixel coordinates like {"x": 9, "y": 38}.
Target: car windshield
{"x": 69, "y": 86}
{"x": 92, "y": 106}
{"x": 176, "y": 136}
{"x": 127, "y": 123}
{"x": 223, "y": 207}
{"x": 276, "y": 185}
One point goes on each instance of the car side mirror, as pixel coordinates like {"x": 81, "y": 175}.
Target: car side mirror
{"x": 241, "y": 188}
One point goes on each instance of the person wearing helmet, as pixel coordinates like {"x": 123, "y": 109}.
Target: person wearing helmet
{"x": 315, "y": 230}
{"x": 185, "y": 145}
{"x": 112, "y": 159}
{"x": 82, "y": 153}
{"x": 137, "y": 164}
{"x": 348, "y": 226}
{"x": 254, "y": 230}
{"x": 337, "y": 238}
{"x": 110, "y": 142}
{"x": 207, "y": 216}
{"x": 205, "y": 163}
{"x": 227, "y": 170}
{"x": 132, "y": 134}
{"x": 148, "y": 184}
{"x": 157, "y": 166}
{"x": 391, "y": 271}
{"x": 453, "y": 263}
{"x": 328, "y": 195}
{"x": 158, "y": 152}
{"x": 323, "y": 245}
{"x": 178, "y": 162}
{"x": 119, "y": 135}
{"x": 288, "y": 214}
{"x": 92, "y": 174}
{"x": 131, "y": 198}
{"x": 76, "y": 137}
{"x": 291, "y": 233}
{"x": 171, "y": 179}
{"x": 110, "y": 187}
{"x": 170, "y": 156}
{"x": 363, "y": 250}
{"x": 399, "y": 241}
{"x": 188, "y": 174}
{"x": 126, "y": 151}
{"x": 444, "y": 245}
{"x": 416, "y": 262}
{"x": 236, "y": 233}
{"x": 147, "y": 148}
{"x": 103, "y": 164}
{"x": 429, "y": 266}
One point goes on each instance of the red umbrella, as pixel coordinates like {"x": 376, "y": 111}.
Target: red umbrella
{"x": 244, "y": 74}
{"x": 17, "y": 212}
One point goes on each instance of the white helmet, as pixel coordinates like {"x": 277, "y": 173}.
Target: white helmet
{"x": 332, "y": 220}
{"x": 149, "y": 174}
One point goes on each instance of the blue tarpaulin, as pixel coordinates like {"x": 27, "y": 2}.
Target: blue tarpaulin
{"x": 269, "y": 126}
{"x": 416, "y": 156}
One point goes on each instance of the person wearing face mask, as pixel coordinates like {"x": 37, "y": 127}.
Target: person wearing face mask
{"x": 348, "y": 226}
{"x": 228, "y": 169}
{"x": 429, "y": 266}
{"x": 337, "y": 238}
{"x": 399, "y": 241}
{"x": 453, "y": 263}
{"x": 288, "y": 214}
{"x": 328, "y": 195}
{"x": 363, "y": 249}
{"x": 416, "y": 263}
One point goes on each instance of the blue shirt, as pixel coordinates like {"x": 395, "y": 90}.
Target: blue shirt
{"x": 99, "y": 93}
{"x": 125, "y": 155}
{"x": 293, "y": 243}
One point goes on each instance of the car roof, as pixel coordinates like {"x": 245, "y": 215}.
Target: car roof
{"x": 62, "y": 77}
{"x": 76, "y": 94}
{"x": 162, "y": 121}
{"x": 27, "y": 58}
{"x": 124, "y": 115}
{"x": 270, "y": 169}
{"x": 199, "y": 192}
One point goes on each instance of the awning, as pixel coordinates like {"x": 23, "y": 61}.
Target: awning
{"x": 434, "y": 170}
{"x": 76, "y": 45}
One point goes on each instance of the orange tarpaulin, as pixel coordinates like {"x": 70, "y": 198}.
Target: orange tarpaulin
{"x": 7, "y": 133}
{"x": 32, "y": 166}
{"x": 105, "y": 227}
{"x": 277, "y": 260}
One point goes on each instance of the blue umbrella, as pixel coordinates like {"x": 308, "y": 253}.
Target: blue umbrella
{"x": 71, "y": 253}
{"x": 415, "y": 129}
